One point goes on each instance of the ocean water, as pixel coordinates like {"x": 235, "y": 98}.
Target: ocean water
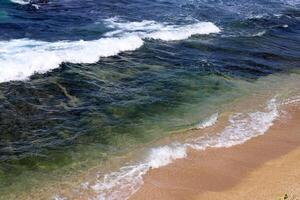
{"x": 86, "y": 83}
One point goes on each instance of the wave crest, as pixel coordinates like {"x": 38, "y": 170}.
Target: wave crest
{"x": 162, "y": 31}
{"x": 21, "y": 58}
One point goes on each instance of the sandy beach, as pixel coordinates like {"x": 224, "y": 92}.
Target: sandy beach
{"x": 265, "y": 167}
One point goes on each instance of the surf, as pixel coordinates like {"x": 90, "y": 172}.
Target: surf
{"x": 241, "y": 128}
{"x": 21, "y": 58}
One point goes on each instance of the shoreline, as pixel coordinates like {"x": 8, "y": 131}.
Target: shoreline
{"x": 234, "y": 172}
{"x": 85, "y": 185}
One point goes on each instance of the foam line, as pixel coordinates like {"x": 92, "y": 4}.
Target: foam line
{"x": 162, "y": 31}
{"x": 242, "y": 127}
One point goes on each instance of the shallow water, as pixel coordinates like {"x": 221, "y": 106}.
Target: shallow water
{"x": 83, "y": 82}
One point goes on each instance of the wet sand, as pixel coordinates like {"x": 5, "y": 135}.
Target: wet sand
{"x": 265, "y": 167}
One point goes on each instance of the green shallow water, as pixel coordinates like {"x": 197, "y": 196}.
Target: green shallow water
{"x": 200, "y": 98}
{"x": 143, "y": 115}
{"x": 130, "y": 125}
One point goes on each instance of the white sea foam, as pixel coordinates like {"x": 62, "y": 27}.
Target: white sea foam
{"x": 36, "y": 6}
{"x": 208, "y": 122}
{"x": 259, "y": 34}
{"x": 123, "y": 183}
{"x": 171, "y": 33}
{"x": 124, "y": 26}
{"x": 58, "y": 198}
{"x": 162, "y": 156}
{"x": 22, "y": 2}
{"x": 161, "y": 31}
{"x": 245, "y": 126}
{"x": 26, "y": 2}
{"x": 21, "y": 58}
{"x": 292, "y": 100}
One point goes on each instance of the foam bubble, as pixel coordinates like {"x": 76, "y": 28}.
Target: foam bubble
{"x": 291, "y": 100}
{"x": 162, "y": 156}
{"x": 21, "y": 58}
{"x": 242, "y": 127}
{"x": 208, "y": 122}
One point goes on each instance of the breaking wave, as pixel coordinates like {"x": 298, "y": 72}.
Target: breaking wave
{"x": 21, "y": 58}
{"x": 162, "y": 31}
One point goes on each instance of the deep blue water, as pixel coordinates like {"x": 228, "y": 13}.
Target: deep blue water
{"x": 75, "y": 19}
{"x": 137, "y": 94}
